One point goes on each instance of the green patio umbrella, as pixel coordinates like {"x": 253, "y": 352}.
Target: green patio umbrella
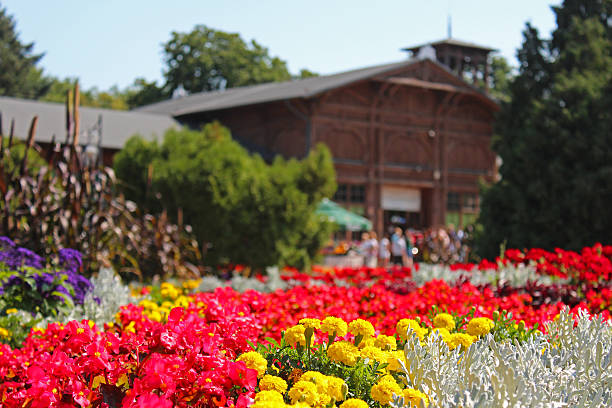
{"x": 346, "y": 219}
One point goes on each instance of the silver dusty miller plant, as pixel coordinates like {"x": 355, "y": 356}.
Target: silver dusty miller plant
{"x": 100, "y": 304}
{"x": 242, "y": 284}
{"x": 515, "y": 275}
{"x": 567, "y": 367}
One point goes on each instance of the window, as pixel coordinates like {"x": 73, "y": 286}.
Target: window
{"x": 468, "y": 203}
{"x": 357, "y": 194}
{"x": 341, "y": 193}
{"x": 453, "y": 202}
{"x": 350, "y": 193}
{"x": 461, "y": 208}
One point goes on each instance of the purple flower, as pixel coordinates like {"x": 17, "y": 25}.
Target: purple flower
{"x": 69, "y": 262}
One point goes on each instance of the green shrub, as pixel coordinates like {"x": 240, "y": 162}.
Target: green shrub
{"x": 242, "y": 210}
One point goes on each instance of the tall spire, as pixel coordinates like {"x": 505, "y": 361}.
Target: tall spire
{"x": 449, "y": 27}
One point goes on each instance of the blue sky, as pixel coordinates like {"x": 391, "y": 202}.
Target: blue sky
{"x": 111, "y": 42}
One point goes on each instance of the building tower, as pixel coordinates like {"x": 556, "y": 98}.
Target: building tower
{"x": 467, "y": 60}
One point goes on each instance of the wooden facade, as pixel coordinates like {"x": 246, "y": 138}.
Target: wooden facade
{"x": 411, "y": 143}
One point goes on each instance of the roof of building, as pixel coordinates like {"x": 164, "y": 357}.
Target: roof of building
{"x": 278, "y": 91}
{"x": 268, "y": 92}
{"x": 117, "y": 126}
{"x": 454, "y": 42}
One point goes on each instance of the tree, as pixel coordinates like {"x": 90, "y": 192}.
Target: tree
{"x": 114, "y": 98}
{"x": 143, "y": 92}
{"x": 242, "y": 210}
{"x": 306, "y": 73}
{"x": 501, "y": 75}
{"x": 554, "y": 138}
{"x": 19, "y": 75}
{"x": 206, "y": 59}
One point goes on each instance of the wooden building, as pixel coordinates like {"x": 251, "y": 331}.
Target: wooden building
{"x": 410, "y": 140}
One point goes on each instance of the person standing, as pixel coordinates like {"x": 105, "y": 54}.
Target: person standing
{"x": 408, "y": 260}
{"x": 398, "y": 247}
{"x": 364, "y": 247}
{"x": 384, "y": 252}
{"x": 372, "y": 251}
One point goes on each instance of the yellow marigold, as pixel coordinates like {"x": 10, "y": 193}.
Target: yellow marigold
{"x": 268, "y": 396}
{"x": 360, "y": 327}
{"x": 191, "y": 283}
{"x": 270, "y": 404}
{"x": 387, "y": 378}
{"x": 254, "y": 360}
{"x": 168, "y": 290}
{"x": 343, "y": 352}
{"x": 444, "y": 321}
{"x": 414, "y": 397}
{"x": 354, "y": 403}
{"x": 181, "y": 301}
{"x": 336, "y": 387}
{"x": 405, "y": 324}
{"x": 318, "y": 379}
{"x": 393, "y": 358}
{"x": 367, "y": 341}
{"x": 374, "y": 354}
{"x": 4, "y": 332}
{"x": 273, "y": 383}
{"x": 155, "y": 315}
{"x": 479, "y": 326}
{"x": 384, "y": 342}
{"x": 304, "y": 391}
{"x": 383, "y": 391}
{"x": 323, "y": 400}
{"x": 333, "y": 325}
{"x": 295, "y": 335}
{"x": 311, "y": 323}
{"x": 11, "y": 311}
{"x": 457, "y": 339}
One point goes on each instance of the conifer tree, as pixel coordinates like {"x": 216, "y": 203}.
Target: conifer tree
{"x": 19, "y": 75}
{"x": 554, "y": 139}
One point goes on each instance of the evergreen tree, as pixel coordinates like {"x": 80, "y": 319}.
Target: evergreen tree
{"x": 18, "y": 73}
{"x": 554, "y": 139}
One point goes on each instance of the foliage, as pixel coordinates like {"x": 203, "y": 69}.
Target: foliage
{"x": 143, "y": 92}
{"x": 201, "y": 60}
{"x": 16, "y": 150}
{"x": 242, "y": 210}
{"x": 32, "y": 288}
{"x": 17, "y": 325}
{"x": 27, "y": 290}
{"x": 568, "y": 366}
{"x": 306, "y": 73}
{"x": 501, "y": 75}
{"x": 190, "y": 357}
{"x": 553, "y": 137}
{"x": 100, "y": 304}
{"x": 364, "y": 362}
{"x": 19, "y": 75}
{"x": 114, "y": 98}
{"x": 66, "y": 204}
{"x": 206, "y": 59}
{"x": 176, "y": 344}
{"x": 34, "y": 284}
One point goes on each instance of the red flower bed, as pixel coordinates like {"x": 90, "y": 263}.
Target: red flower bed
{"x": 187, "y": 361}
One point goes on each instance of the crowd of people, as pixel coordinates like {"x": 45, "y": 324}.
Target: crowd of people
{"x": 436, "y": 245}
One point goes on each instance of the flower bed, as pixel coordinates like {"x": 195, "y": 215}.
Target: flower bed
{"x": 469, "y": 335}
